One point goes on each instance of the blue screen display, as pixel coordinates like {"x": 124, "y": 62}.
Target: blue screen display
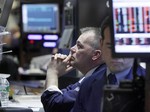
{"x": 40, "y": 18}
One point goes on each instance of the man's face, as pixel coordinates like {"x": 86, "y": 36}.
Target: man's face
{"x": 114, "y": 64}
{"x": 82, "y": 52}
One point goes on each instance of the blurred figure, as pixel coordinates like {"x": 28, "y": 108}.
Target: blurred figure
{"x": 9, "y": 63}
{"x": 91, "y": 92}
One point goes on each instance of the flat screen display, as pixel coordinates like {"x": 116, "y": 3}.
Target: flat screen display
{"x": 40, "y": 17}
{"x": 131, "y": 28}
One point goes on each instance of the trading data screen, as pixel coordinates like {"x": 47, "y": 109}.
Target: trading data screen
{"x": 40, "y": 18}
{"x": 131, "y": 26}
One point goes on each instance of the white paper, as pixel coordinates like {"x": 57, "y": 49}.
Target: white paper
{"x": 4, "y": 75}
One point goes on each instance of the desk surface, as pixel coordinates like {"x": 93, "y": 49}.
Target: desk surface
{"x": 27, "y": 101}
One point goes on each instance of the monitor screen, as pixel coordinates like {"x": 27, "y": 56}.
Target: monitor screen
{"x": 40, "y": 17}
{"x": 131, "y": 28}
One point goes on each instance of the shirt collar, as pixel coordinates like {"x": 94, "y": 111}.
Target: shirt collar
{"x": 89, "y": 73}
{"x": 120, "y": 75}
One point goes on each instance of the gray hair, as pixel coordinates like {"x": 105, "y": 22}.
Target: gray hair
{"x": 97, "y": 35}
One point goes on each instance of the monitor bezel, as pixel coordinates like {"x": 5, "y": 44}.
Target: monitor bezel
{"x": 123, "y": 54}
{"x": 57, "y": 31}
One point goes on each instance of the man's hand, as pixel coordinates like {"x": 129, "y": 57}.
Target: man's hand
{"x": 60, "y": 64}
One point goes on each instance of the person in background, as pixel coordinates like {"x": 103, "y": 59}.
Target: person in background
{"x": 85, "y": 56}
{"x": 91, "y": 91}
{"x": 9, "y": 62}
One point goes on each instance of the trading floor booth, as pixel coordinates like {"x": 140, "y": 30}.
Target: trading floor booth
{"x": 130, "y": 39}
{"x": 44, "y": 23}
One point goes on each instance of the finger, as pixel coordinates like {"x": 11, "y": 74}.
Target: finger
{"x": 60, "y": 58}
{"x": 52, "y": 57}
{"x": 69, "y": 69}
{"x": 70, "y": 53}
{"x": 55, "y": 56}
{"x": 63, "y": 56}
{"x": 67, "y": 58}
{"x": 58, "y": 55}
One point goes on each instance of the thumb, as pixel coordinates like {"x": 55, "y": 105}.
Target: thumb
{"x": 69, "y": 68}
{"x": 67, "y": 58}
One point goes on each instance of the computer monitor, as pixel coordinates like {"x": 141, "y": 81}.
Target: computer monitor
{"x": 131, "y": 28}
{"x": 40, "y": 17}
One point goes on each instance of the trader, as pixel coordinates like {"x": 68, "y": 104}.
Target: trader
{"x": 84, "y": 56}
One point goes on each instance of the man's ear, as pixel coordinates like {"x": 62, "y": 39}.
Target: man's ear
{"x": 97, "y": 54}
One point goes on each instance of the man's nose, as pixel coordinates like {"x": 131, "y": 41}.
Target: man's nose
{"x": 72, "y": 49}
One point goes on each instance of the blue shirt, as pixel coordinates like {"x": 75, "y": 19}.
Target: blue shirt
{"x": 120, "y": 75}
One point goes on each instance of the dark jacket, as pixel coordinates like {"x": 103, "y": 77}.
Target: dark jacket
{"x": 91, "y": 91}
{"x": 54, "y": 101}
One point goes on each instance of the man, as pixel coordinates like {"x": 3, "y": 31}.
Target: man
{"x": 91, "y": 91}
{"x": 84, "y": 56}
